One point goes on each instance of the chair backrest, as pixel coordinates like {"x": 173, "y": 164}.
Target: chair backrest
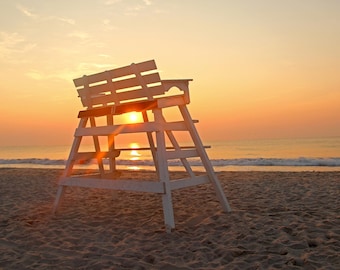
{"x": 131, "y": 83}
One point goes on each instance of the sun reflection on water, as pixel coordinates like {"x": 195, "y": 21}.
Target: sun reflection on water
{"x": 134, "y": 156}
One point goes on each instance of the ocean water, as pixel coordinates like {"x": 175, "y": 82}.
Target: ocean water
{"x": 307, "y": 154}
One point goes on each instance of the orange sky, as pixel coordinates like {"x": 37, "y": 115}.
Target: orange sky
{"x": 261, "y": 69}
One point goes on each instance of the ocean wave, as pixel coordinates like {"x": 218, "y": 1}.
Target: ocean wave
{"x": 292, "y": 162}
{"x": 35, "y": 161}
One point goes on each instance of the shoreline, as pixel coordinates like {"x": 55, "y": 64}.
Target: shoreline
{"x": 286, "y": 220}
{"x": 218, "y": 169}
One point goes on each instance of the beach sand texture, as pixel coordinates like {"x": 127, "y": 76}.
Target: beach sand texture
{"x": 280, "y": 220}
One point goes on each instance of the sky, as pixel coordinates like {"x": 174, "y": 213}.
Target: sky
{"x": 260, "y": 68}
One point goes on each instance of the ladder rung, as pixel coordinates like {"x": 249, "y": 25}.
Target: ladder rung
{"x": 117, "y": 184}
{"x": 189, "y": 182}
{"x": 183, "y": 153}
{"x": 167, "y": 148}
{"x": 92, "y": 155}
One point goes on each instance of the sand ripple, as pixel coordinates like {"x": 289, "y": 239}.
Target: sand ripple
{"x": 280, "y": 220}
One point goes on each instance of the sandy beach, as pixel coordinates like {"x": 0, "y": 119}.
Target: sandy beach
{"x": 280, "y": 220}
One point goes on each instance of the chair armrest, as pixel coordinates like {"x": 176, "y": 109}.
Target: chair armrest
{"x": 181, "y": 84}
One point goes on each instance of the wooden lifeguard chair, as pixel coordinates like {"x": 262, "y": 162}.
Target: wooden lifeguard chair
{"x": 136, "y": 88}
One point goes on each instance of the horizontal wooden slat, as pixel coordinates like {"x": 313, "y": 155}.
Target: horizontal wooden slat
{"x": 189, "y": 182}
{"x": 118, "y": 129}
{"x": 141, "y": 93}
{"x": 130, "y": 128}
{"x": 119, "y": 109}
{"x": 127, "y": 96}
{"x": 121, "y": 184}
{"x": 119, "y": 85}
{"x": 133, "y": 106}
{"x": 93, "y": 155}
{"x": 127, "y": 70}
{"x": 94, "y": 90}
{"x": 97, "y": 112}
{"x": 175, "y": 126}
{"x": 176, "y": 154}
{"x": 88, "y": 79}
{"x": 147, "y": 79}
{"x": 148, "y": 148}
{"x": 171, "y": 101}
{"x": 115, "y": 73}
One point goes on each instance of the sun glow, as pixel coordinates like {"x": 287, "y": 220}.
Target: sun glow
{"x": 134, "y": 145}
{"x": 133, "y": 117}
{"x": 134, "y": 152}
{"x": 134, "y": 155}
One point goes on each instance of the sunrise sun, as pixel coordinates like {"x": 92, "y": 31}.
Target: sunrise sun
{"x": 133, "y": 117}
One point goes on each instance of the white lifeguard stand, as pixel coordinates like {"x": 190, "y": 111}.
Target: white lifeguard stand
{"x": 137, "y": 88}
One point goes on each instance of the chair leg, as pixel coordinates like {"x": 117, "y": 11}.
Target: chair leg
{"x": 151, "y": 141}
{"x": 205, "y": 159}
{"x": 163, "y": 172}
{"x": 168, "y": 211}
{"x": 97, "y": 148}
{"x": 69, "y": 166}
{"x": 60, "y": 194}
{"x": 164, "y": 177}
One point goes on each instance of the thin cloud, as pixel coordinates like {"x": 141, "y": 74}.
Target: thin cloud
{"x": 65, "y": 20}
{"x": 147, "y": 2}
{"x": 12, "y": 44}
{"x": 79, "y": 34}
{"x": 104, "y": 55}
{"x": 107, "y": 24}
{"x": 90, "y": 67}
{"x": 134, "y": 10}
{"x": 10, "y": 39}
{"x": 112, "y": 2}
{"x": 68, "y": 74}
{"x": 131, "y": 10}
{"x": 34, "y": 16}
{"x": 39, "y": 75}
{"x": 35, "y": 75}
{"x": 26, "y": 11}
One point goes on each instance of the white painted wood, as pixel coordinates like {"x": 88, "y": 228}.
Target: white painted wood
{"x": 119, "y": 184}
{"x": 164, "y": 174}
{"x": 92, "y": 155}
{"x": 114, "y": 73}
{"x": 125, "y": 96}
{"x": 58, "y": 198}
{"x": 117, "y": 129}
{"x": 179, "y": 154}
{"x": 111, "y": 145}
{"x": 97, "y": 147}
{"x": 69, "y": 165}
{"x": 130, "y": 128}
{"x": 137, "y": 87}
{"x": 189, "y": 182}
{"x": 205, "y": 160}
{"x": 151, "y": 141}
{"x": 182, "y": 84}
{"x": 171, "y": 101}
{"x": 119, "y": 86}
{"x": 167, "y": 148}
